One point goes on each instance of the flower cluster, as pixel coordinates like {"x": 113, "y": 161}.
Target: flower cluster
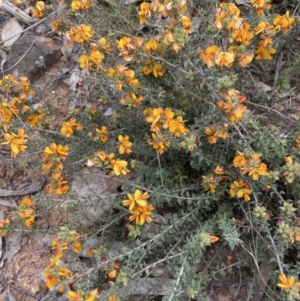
{"x": 69, "y": 127}
{"x": 131, "y": 100}
{"x": 249, "y": 163}
{"x": 216, "y": 132}
{"x": 13, "y": 102}
{"x": 150, "y": 11}
{"x": 52, "y": 161}
{"x": 77, "y": 5}
{"x": 291, "y": 170}
{"x": 240, "y": 35}
{"x": 176, "y": 30}
{"x": 103, "y": 160}
{"x": 82, "y": 296}
{"x": 232, "y": 105}
{"x": 26, "y": 210}
{"x": 80, "y": 34}
{"x": 129, "y": 47}
{"x": 164, "y": 120}
{"x": 113, "y": 272}
{"x": 154, "y": 68}
{"x": 289, "y": 285}
{"x": 36, "y": 119}
{"x": 17, "y": 142}
{"x": 39, "y": 9}
{"x": 124, "y": 145}
{"x": 138, "y": 207}
{"x": 56, "y": 272}
{"x": 4, "y": 223}
{"x": 102, "y": 133}
{"x": 96, "y": 55}
{"x": 240, "y": 189}
{"x": 123, "y": 77}
{"x": 212, "y": 180}
{"x": 261, "y": 6}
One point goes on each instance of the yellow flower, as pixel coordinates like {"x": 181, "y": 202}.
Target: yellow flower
{"x": 243, "y": 35}
{"x": 81, "y": 33}
{"x": 84, "y": 61}
{"x": 119, "y": 167}
{"x": 96, "y": 56}
{"x": 159, "y": 143}
{"x": 224, "y": 59}
{"x": 209, "y": 183}
{"x": 73, "y": 296}
{"x": 104, "y": 45}
{"x": 27, "y": 202}
{"x": 76, "y": 5}
{"x": 66, "y": 130}
{"x": 187, "y": 24}
{"x": 138, "y": 199}
{"x": 245, "y": 59}
{"x": 64, "y": 272}
{"x": 144, "y": 12}
{"x": 102, "y": 133}
{"x": 77, "y": 247}
{"x": 59, "y": 149}
{"x": 261, "y": 170}
{"x": 113, "y": 298}
{"x": 177, "y": 127}
{"x": 111, "y": 273}
{"x": 124, "y": 144}
{"x": 219, "y": 170}
{"x": 151, "y": 45}
{"x": 209, "y": 55}
{"x": 51, "y": 281}
{"x": 29, "y": 221}
{"x": 157, "y": 70}
{"x": 145, "y": 214}
{"x": 141, "y": 214}
{"x": 284, "y": 23}
{"x": 158, "y": 7}
{"x": 241, "y": 190}
{"x": 264, "y": 49}
{"x": 92, "y": 295}
{"x": 169, "y": 38}
{"x": 36, "y": 13}
{"x": 16, "y": 141}
{"x": 237, "y": 113}
{"x": 261, "y": 4}
{"x": 105, "y": 157}
{"x": 56, "y": 26}
{"x": 286, "y": 283}
{"x": 40, "y": 5}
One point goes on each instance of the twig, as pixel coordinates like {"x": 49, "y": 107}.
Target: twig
{"x": 277, "y": 71}
{"x": 9, "y": 204}
{"x": 15, "y": 11}
{"x": 35, "y": 24}
{"x": 178, "y": 279}
{"x": 23, "y": 290}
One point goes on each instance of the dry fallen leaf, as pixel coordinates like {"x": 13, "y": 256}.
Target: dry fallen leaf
{"x": 11, "y": 32}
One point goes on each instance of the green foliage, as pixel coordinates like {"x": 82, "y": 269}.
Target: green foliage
{"x": 224, "y": 174}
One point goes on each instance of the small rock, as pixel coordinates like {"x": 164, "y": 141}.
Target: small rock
{"x": 34, "y": 290}
{"x": 41, "y": 53}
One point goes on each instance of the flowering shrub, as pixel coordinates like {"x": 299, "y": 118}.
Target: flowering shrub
{"x": 205, "y": 171}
